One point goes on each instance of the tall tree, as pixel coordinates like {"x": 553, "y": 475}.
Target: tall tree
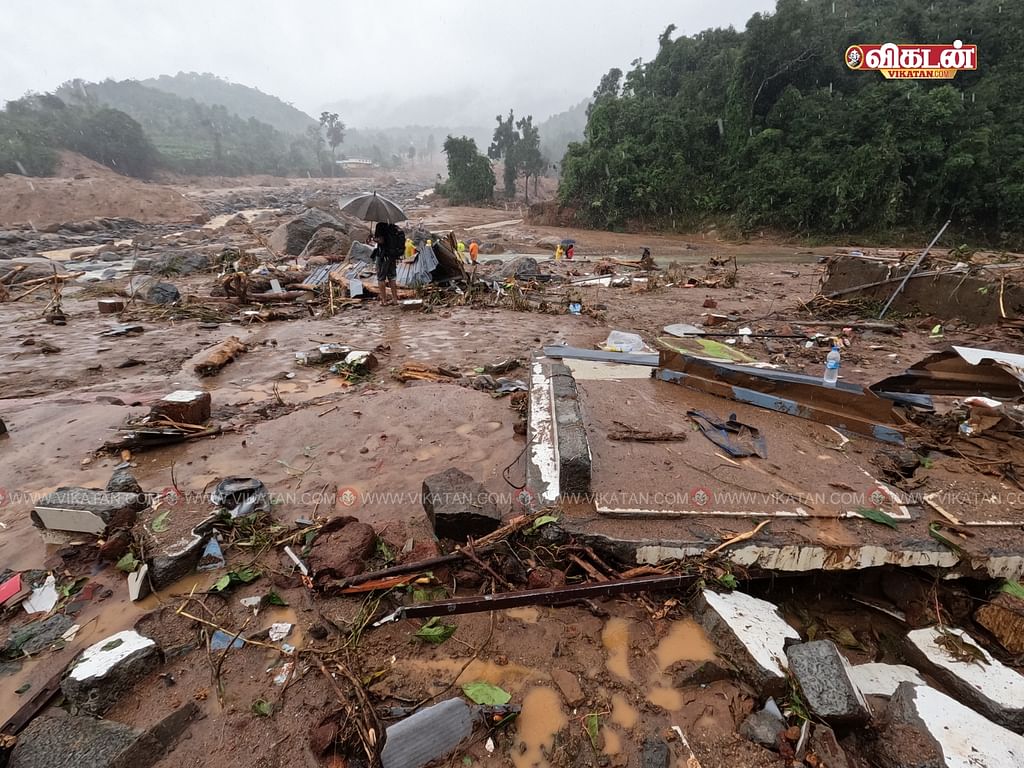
{"x": 503, "y": 147}
{"x": 528, "y": 158}
{"x": 470, "y": 176}
{"x": 334, "y": 129}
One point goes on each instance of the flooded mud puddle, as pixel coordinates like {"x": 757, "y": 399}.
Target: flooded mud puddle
{"x": 539, "y": 722}
{"x": 615, "y": 638}
{"x": 527, "y": 614}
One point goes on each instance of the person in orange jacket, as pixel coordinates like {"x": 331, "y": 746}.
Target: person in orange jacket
{"x": 474, "y": 251}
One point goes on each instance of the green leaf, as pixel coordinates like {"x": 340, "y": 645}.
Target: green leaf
{"x": 160, "y": 522}
{"x": 245, "y": 575}
{"x": 128, "y": 563}
{"x": 435, "y": 632}
{"x": 272, "y": 598}
{"x": 543, "y": 520}
{"x": 1014, "y": 588}
{"x": 592, "y": 723}
{"x": 876, "y": 516}
{"x": 262, "y": 708}
{"x": 222, "y": 583}
{"x": 486, "y": 694}
{"x": 427, "y": 595}
{"x": 728, "y": 581}
{"x": 23, "y": 688}
{"x": 112, "y": 645}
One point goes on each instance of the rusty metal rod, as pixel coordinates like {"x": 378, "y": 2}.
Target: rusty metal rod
{"x": 547, "y": 596}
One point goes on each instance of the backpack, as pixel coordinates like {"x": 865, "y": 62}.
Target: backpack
{"x": 396, "y": 242}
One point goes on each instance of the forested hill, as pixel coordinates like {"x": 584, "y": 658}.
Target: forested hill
{"x": 768, "y": 127}
{"x": 238, "y": 99}
{"x": 196, "y": 138}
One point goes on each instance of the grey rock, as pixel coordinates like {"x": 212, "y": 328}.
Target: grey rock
{"x": 123, "y": 481}
{"x": 518, "y": 268}
{"x": 3, "y": 427}
{"x": 824, "y": 678}
{"x": 35, "y": 637}
{"x": 328, "y": 242}
{"x": 655, "y": 753}
{"x": 162, "y": 293}
{"x": 291, "y": 237}
{"x": 108, "y": 670}
{"x": 179, "y": 262}
{"x": 763, "y": 727}
{"x": 690, "y": 673}
{"x": 144, "y": 264}
{"x": 108, "y": 274}
{"x": 60, "y": 740}
{"x": 110, "y": 256}
{"x": 178, "y": 560}
{"x": 458, "y": 506}
{"x": 35, "y": 267}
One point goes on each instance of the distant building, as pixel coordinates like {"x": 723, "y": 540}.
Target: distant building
{"x": 355, "y": 163}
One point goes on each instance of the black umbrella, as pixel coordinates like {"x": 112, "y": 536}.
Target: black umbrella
{"x": 374, "y": 207}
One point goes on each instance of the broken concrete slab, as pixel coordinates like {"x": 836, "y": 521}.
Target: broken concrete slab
{"x": 108, "y": 669}
{"x": 138, "y": 583}
{"x": 960, "y": 736}
{"x": 750, "y": 634}
{"x": 825, "y": 682}
{"x": 876, "y": 679}
{"x": 1003, "y": 616}
{"x": 983, "y": 683}
{"x": 428, "y": 735}
{"x": 184, "y": 406}
{"x": 176, "y": 559}
{"x": 458, "y": 507}
{"x": 86, "y": 510}
{"x": 60, "y": 740}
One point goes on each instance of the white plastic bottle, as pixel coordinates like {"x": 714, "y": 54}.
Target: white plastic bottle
{"x": 832, "y": 367}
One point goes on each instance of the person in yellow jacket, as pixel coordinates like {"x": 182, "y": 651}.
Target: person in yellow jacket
{"x": 559, "y": 253}
{"x": 410, "y": 249}
{"x": 462, "y": 252}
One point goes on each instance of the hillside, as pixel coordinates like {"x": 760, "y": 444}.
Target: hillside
{"x": 560, "y": 130}
{"x": 192, "y": 137}
{"x": 768, "y": 128}
{"x": 238, "y": 99}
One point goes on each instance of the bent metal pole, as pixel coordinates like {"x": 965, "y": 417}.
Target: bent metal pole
{"x": 913, "y": 269}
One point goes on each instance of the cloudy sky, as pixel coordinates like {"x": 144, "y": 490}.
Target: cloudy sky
{"x": 535, "y": 55}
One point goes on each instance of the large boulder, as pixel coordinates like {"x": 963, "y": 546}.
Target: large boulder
{"x": 35, "y": 268}
{"x": 518, "y": 268}
{"x": 328, "y": 242}
{"x": 292, "y": 237}
{"x": 177, "y": 263}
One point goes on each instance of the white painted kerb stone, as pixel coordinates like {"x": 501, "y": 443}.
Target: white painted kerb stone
{"x": 883, "y": 679}
{"x": 96, "y": 662}
{"x": 757, "y": 624}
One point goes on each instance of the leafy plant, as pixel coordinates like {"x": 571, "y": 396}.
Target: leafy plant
{"x": 262, "y": 708}
{"x": 592, "y": 724}
{"x": 728, "y": 581}
{"x": 435, "y": 632}
{"x": 233, "y": 578}
{"x": 1014, "y": 588}
{"x": 128, "y": 563}
{"x": 161, "y": 522}
{"x": 876, "y": 515}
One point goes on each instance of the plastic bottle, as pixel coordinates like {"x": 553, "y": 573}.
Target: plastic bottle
{"x": 832, "y": 367}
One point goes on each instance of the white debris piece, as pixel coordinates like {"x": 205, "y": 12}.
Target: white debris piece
{"x": 876, "y": 679}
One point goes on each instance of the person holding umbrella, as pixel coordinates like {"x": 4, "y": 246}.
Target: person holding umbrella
{"x": 390, "y": 239}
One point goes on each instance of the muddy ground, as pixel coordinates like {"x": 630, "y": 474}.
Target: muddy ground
{"x": 310, "y": 435}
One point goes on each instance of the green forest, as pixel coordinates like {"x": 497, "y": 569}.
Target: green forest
{"x": 767, "y": 128}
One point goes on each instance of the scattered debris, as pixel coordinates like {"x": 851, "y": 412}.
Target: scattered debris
{"x": 107, "y": 669}
{"x": 217, "y": 357}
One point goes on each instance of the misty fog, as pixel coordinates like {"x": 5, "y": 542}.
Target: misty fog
{"x": 442, "y": 62}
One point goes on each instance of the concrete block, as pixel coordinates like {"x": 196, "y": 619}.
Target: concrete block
{"x": 59, "y": 740}
{"x": 185, "y": 406}
{"x": 107, "y": 670}
{"x": 86, "y": 510}
{"x": 574, "y": 459}
{"x": 986, "y": 685}
{"x": 457, "y": 506}
{"x": 883, "y": 679}
{"x": 960, "y": 736}
{"x": 750, "y": 634}
{"x": 825, "y": 682}
{"x": 427, "y": 736}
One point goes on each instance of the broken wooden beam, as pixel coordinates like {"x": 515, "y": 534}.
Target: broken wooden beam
{"x": 220, "y": 355}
